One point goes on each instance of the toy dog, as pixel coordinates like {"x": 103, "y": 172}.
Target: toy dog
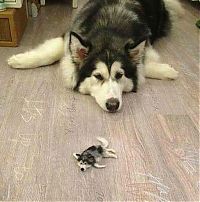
{"x": 91, "y": 156}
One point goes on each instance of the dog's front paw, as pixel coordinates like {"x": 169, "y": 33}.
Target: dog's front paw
{"x": 17, "y": 61}
{"x": 96, "y": 165}
{"x": 168, "y": 72}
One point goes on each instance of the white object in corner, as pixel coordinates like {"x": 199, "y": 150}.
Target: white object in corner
{"x": 42, "y": 2}
{"x": 13, "y": 3}
{"x": 34, "y": 10}
{"x": 75, "y": 3}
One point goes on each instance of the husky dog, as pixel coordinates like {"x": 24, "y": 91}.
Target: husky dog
{"x": 109, "y": 50}
{"x": 94, "y": 154}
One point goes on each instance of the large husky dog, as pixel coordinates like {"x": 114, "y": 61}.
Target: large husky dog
{"x": 109, "y": 48}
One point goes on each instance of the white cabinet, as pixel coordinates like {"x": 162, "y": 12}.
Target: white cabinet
{"x": 13, "y": 3}
{"x": 18, "y": 3}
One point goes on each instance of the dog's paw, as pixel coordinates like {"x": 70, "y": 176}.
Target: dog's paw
{"x": 96, "y": 165}
{"x": 112, "y": 151}
{"x": 17, "y": 61}
{"x": 167, "y": 72}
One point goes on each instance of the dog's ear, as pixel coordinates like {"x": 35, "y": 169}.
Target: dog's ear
{"x": 76, "y": 156}
{"x": 79, "y": 47}
{"x": 135, "y": 51}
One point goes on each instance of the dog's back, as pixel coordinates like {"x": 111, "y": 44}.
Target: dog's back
{"x": 127, "y": 18}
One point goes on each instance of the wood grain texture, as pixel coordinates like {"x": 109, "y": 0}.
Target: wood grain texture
{"x": 12, "y": 32}
{"x": 155, "y": 135}
{"x": 5, "y": 34}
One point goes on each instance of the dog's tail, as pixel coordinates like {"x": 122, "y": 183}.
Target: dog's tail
{"x": 175, "y": 8}
{"x": 45, "y": 54}
{"x": 103, "y": 142}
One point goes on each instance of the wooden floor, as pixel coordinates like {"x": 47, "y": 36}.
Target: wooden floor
{"x": 155, "y": 134}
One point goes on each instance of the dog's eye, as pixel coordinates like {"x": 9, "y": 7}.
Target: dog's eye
{"x": 118, "y": 75}
{"x": 99, "y": 77}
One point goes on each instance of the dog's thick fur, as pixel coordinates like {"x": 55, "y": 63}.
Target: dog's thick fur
{"x": 109, "y": 48}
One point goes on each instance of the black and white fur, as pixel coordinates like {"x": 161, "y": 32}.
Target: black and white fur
{"x": 109, "y": 48}
{"x": 93, "y": 155}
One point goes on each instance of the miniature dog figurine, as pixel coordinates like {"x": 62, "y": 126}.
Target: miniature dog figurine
{"x": 94, "y": 154}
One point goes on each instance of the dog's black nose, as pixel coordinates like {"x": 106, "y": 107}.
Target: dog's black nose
{"x": 82, "y": 169}
{"x": 112, "y": 104}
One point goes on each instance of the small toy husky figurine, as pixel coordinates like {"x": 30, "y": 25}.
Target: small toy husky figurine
{"x": 94, "y": 154}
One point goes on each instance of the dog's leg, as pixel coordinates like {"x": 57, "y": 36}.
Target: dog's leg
{"x": 47, "y": 53}
{"x": 111, "y": 150}
{"x": 69, "y": 72}
{"x": 156, "y": 70}
{"x": 107, "y": 154}
{"x": 96, "y": 165}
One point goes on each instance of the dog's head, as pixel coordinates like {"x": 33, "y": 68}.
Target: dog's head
{"x": 106, "y": 71}
{"x": 84, "y": 162}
